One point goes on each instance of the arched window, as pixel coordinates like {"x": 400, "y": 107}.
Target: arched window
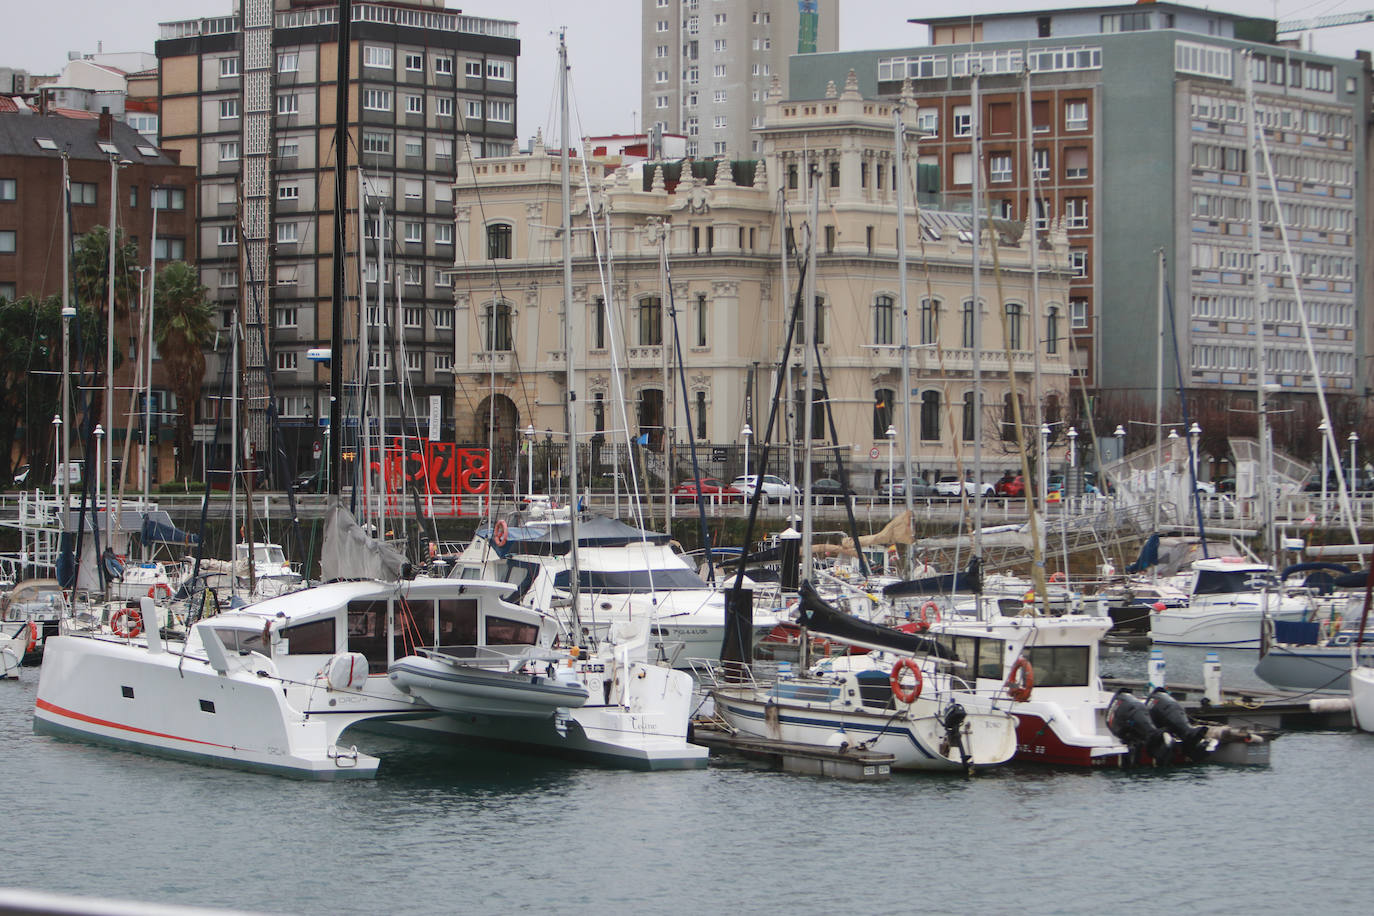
{"x": 1052, "y": 330}
{"x": 799, "y": 334}
{"x": 969, "y": 317}
{"x": 883, "y": 313}
{"x": 930, "y": 416}
{"x": 499, "y": 241}
{"x": 818, "y": 427}
{"x": 1014, "y": 316}
{"x": 496, "y": 331}
{"x": 930, "y": 321}
{"x": 970, "y": 423}
{"x": 650, "y": 321}
{"x": 1008, "y": 419}
{"x": 882, "y": 411}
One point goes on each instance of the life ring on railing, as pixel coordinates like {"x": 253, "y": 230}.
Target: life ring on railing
{"x": 33, "y": 638}
{"x": 1020, "y": 680}
{"x": 895, "y": 680}
{"x": 126, "y": 623}
{"x": 924, "y": 621}
{"x": 500, "y": 533}
{"x": 1057, "y": 577}
{"x": 161, "y": 586}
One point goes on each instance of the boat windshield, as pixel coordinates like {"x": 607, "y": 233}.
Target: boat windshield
{"x": 1059, "y": 666}
{"x": 242, "y": 641}
{"x": 1216, "y": 582}
{"x": 979, "y": 655}
{"x": 626, "y": 581}
{"x": 265, "y": 554}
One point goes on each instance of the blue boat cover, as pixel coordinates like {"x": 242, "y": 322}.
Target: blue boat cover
{"x": 159, "y": 529}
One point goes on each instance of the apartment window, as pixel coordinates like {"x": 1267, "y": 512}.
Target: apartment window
{"x": 443, "y": 107}
{"x": 834, "y": 174}
{"x": 1052, "y": 331}
{"x": 414, "y": 275}
{"x": 1076, "y": 115}
{"x": 498, "y": 241}
{"x": 229, "y": 151}
{"x": 472, "y": 69}
{"x": 963, "y": 121}
{"x": 228, "y": 67}
{"x": 415, "y": 104}
{"x": 999, "y": 167}
{"x": 928, "y": 121}
{"x": 443, "y": 319}
{"x": 497, "y": 320}
{"x": 374, "y": 142}
{"x": 1076, "y": 162}
{"x": 169, "y": 198}
{"x": 661, "y": 76}
{"x": 228, "y": 278}
{"x": 377, "y": 99}
{"x": 1042, "y": 213}
{"x": 661, "y": 25}
{"x": 473, "y": 109}
{"x": 1078, "y": 263}
{"x": 443, "y": 362}
{"x": 660, "y": 101}
{"x": 443, "y": 149}
{"x": 288, "y": 148}
{"x": 1076, "y": 212}
{"x": 414, "y": 190}
{"x": 720, "y": 122}
{"x": 963, "y": 169}
{"x": 443, "y": 278}
{"x": 443, "y": 66}
{"x": 228, "y": 109}
{"x": 650, "y": 315}
{"x": 443, "y": 234}
{"x": 287, "y": 361}
{"x": 967, "y": 328}
{"x": 693, "y": 127}
{"x": 83, "y": 192}
{"x": 500, "y": 111}
{"x": 799, "y": 333}
{"x": 930, "y": 416}
{"x": 719, "y": 96}
{"x": 414, "y": 147}
{"x": 377, "y": 57}
{"x": 718, "y": 71}
{"x": 414, "y": 232}
{"x": 413, "y": 317}
{"x": 7, "y": 241}
{"x": 930, "y": 321}
{"x": 1078, "y": 313}
{"x": 1041, "y": 160}
{"x": 170, "y": 249}
{"x": 285, "y": 318}
{"x": 719, "y": 45}
{"x": 884, "y": 309}
{"x": 287, "y": 233}
{"x": 415, "y": 62}
{"x": 1015, "y": 315}
{"x": 288, "y": 62}
{"x": 228, "y": 235}
{"x": 498, "y": 69}
{"x": 288, "y": 192}
{"x": 661, "y": 52}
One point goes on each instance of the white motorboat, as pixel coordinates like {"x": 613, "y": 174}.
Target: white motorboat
{"x": 1228, "y": 599}
{"x": 41, "y": 601}
{"x": 275, "y": 686}
{"x": 16, "y": 641}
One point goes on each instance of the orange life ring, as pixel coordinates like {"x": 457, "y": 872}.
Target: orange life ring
{"x": 1057, "y": 577}
{"x": 33, "y": 638}
{"x": 163, "y": 587}
{"x": 126, "y": 623}
{"x": 1020, "y": 680}
{"x": 924, "y": 621}
{"x": 895, "y": 680}
{"x": 500, "y": 533}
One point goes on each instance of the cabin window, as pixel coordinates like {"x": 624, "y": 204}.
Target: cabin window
{"x": 1059, "y": 666}
{"x": 502, "y": 632}
{"x": 458, "y": 622}
{"x": 414, "y": 626}
{"x": 367, "y": 633}
{"x": 313, "y": 638}
{"x": 242, "y": 641}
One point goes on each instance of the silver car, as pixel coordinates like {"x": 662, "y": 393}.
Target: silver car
{"x": 775, "y": 489}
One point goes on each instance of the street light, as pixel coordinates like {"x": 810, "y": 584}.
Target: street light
{"x": 747, "y": 433}
{"x": 1120, "y": 434}
{"x": 891, "y": 441}
{"x": 1321, "y": 431}
{"x": 99, "y": 437}
{"x": 1354, "y": 439}
{"x": 57, "y": 458}
{"x": 1044, "y": 465}
{"x": 529, "y": 463}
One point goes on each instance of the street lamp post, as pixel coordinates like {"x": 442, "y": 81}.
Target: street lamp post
{"x": 1321, "y": 432}
{"x": 57, "y": 459}
{"x": 1354, "y": 440}
{"x": 1120, "y": 434}
{"x": 891, "y": 442}
{"x": 1045, "y": 467}
{"x": 1072, "y": 435}
{"x": 746, "y": 433}
{"x": 529, "y": 462}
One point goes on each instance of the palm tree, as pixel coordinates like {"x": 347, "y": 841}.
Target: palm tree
{"x": 91, "y": 270}
{"x": 181, "y": 328}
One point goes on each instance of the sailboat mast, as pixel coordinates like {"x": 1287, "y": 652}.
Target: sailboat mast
{"x": 569, "y": 323}
{"x": 64, "y": 456}
{"x": 1159, "y": 383}
{"x": 977, "y": 327}
{"x": 345, "y": 18}
{"x": 1037, "y": 383}
{"x": 1265, "y": 514}
{"x": 899, "y": 185}
{"x": 808, "y": 361}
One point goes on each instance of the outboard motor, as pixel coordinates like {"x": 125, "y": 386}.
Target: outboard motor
{"x": 953, "y": 721}
{"x": 1168, "y": 714}
{"x": 1129, "y": 720}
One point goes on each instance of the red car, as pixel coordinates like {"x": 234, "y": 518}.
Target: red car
{"x": 1013, "y": 488}
{"x": 709, "y": 487}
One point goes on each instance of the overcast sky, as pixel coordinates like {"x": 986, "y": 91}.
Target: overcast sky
{"x": 603, "y": 40}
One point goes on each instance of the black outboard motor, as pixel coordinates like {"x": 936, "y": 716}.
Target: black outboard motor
{"x": 1168, "y": 714}
{"x": 953, "y": 721}
{"x": 1129, "y": 720}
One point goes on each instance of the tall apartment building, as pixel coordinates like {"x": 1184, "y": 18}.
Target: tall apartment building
{"x": 250, "y": 100}
{"x": 725, "y": 313}
{"x": 707, "y": 64}
{"x": 1140, "y": 143}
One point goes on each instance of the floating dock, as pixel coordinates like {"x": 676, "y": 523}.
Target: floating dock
{"x": 1255, "y": 707}
{"x": 837, "y": 763}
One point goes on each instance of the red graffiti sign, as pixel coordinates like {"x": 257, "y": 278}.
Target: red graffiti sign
{"x": 440, "y": 468}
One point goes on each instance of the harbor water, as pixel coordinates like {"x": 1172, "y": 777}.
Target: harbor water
{"x": 450, "y": 831}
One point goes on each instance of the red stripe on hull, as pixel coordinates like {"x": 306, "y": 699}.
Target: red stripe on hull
{"x": 81, "y": 717}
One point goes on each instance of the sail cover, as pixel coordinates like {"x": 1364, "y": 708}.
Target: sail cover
{"x": 159, "y": 529}
{"x": 350, "y": 553}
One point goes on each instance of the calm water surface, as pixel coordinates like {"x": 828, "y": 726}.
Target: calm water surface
{"x": 447, "y": 832}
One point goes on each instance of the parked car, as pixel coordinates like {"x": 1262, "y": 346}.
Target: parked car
{"x": 919, "y": 489}
{"x": 1011, "y": 487}
{"x": 827, "y": 491}
{"x": 1206, "y": 486}
{"x": 21, "y": 475}
{"x": 709, "y": 487}
{"x": 950, "y": 486}
{"x": 774, "y": 488}
{"x": 1226, "y": 485}
{"x": 306, "y": 482}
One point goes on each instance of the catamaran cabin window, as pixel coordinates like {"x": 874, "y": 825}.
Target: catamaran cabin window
{"x": 367, "y": 633}
{"x": 313, "y": 638}
{"x": 458, "y": 622}
{"x": 242, "y": 641}
{"x": 502, "y": 632}
{"x": 1059, "y": 666}
{"x": 414, "y": 626}
{"x": 632, "y": 580}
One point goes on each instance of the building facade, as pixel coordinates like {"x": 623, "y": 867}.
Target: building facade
{"x": 1143, "y": 146}
{"x": 707, "y": 66}
{"x": 718, "y": 230}
{"x": 250, "y": 101}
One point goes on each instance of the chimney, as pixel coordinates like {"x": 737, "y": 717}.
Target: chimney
{"x": 106, "y": 131}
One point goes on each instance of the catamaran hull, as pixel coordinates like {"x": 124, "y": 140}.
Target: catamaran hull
{"x": 118, "y": 693}
{"x": 915, "y": 743}
{"x": 1362, "y": 697}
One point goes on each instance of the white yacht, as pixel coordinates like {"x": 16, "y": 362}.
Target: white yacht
{"x": 276, "y": 685}
{"x": 15, "y": 643}
{"x": 1228, "y": 599}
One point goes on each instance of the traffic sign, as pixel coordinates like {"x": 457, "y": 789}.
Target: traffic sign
{"x": 873, "y": 452}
